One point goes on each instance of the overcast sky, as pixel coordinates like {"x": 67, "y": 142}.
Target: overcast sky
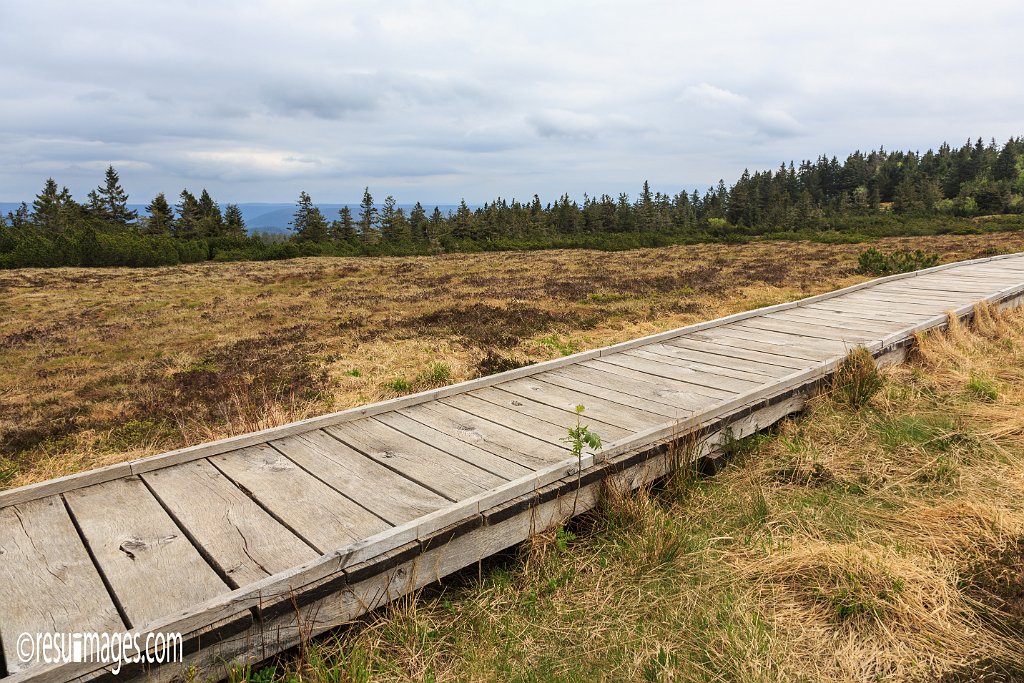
{"x": 441, "y": 100}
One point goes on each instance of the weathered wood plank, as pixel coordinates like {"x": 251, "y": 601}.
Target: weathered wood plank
{"x": 430, "y": 467}
{"x": 678, "y": 370}
{"x": 717, "y": 365}
{"x": 730, "y": 353}
{"x": 613, "y": 412}
{"x": 757, "y": 340}
{"x": 505, "y": 468}
{"x": 834, "y": 319}
{"x": 311, "y": 509}
{"x": 563, "y": 419}
{"x": 713, "y": 373}
{"x": 640, "y": 389}
{"x": 237, "y": 535}
{"x": 456, "y": 409}
{"x": 48, "y": 583}
{"x": 870, "y": 312}
{"x": 153, "y": 569}
{"x": 820, "y": 331}
{"x": 644, "y": 394}
{"x": 514, "y": 438}
{"x": 387, "y": 494}
{"x": 796, "y": 337}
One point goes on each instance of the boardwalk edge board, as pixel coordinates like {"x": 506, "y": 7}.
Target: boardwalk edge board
{"x": 186, "y": 454}
{"x": 255, "y": 606}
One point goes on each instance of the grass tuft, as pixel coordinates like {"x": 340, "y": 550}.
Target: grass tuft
{"x": 857, "y": 379}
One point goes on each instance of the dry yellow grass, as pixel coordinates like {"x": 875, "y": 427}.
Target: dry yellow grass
{"x": 100, "y": 366}
{"x": 880, "y": 543}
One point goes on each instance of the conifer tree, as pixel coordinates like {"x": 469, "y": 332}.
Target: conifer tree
{"x": 19, "y": 218}
{"x": 308, "y": 223}
{"x": 234, "y": 223}
{"x": 343, "y": 229}
{"x": 187, "y": 226}
{"x": 46, "y": 207}
{"x": 418, "y": 222}
{"x": 394, "y": 227}
{"x": 161, "y": 216}
{"x": 110, "y": 202}
{"x": 211, "y": 221}
{"x": 368, "y": 218}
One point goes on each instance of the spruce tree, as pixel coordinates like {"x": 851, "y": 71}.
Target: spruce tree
{"x": 418, "y": 223}
{"x": 435, "y": 227}
{"x": 161, "y": 216}
{"x": 344, "y": 228}
{"x": 211, "y": 222}
{"x": 187, "y": 226}
{"x": 234, "y": 224}
{"x": 368, "y": 218}
{"x": 308, "y": 223}
{"x": 19, "y": 218}
{"x": 110, "y": 202}
{"x": 46, "y": 207}
{"x": 394, "y": 227}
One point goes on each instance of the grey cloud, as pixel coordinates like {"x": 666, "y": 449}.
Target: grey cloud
{"x": 437, "y": 101}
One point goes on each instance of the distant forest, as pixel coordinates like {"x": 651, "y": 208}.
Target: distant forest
{"x": 868, "y": 195}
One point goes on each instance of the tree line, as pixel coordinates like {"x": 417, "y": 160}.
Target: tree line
{"x": 868, "y": 194}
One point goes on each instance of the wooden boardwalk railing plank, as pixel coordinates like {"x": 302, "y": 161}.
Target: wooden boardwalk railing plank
{"x": 48, "y": 583}
{"x": 148, "y": 562}
{"x": 242, "y": 539}
{"x": 325, "y": 519}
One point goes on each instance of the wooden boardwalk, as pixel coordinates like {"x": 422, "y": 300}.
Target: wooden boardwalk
{"x": 251, "y": 544}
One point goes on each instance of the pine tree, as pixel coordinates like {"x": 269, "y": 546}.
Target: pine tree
{"x": 110, "y": 202}
{"x": 308, "y": 223}
{"x": 234, "y": 224}
{"x": 343, "y": 229}
{"x": 161, "y": 216}
{"x": 368, "y": 218}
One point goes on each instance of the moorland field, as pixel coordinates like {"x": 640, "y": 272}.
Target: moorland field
{"x": 103, "y": 365}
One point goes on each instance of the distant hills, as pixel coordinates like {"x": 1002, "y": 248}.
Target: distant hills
{"x": 269, "y": 217}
